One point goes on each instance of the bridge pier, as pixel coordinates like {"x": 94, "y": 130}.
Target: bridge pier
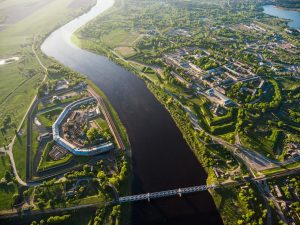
{"x": 148, "y": 197}
{"x": 179, "y": 192}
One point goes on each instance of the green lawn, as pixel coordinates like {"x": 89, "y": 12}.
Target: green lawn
{"x": 227, "y": 204}
{"x": 19, "y": 80}
{"x": 258, "y": 143}
{"x": 93, "y": 199}
{"x": 19, "y": 151}
{"x": 102, "y": 123}
{"x": 47, "y": 162}
{"x": 53, "y": 105}
{"x": 6, "y": 194}
{"x": 113, "y": 114}
{"x": 34, "y": 142}
{"x": 4, "y": 165}
{"x": 291, "y": 166}
{"x": 17, "y": 105}
{"x": 119, "y": 37}
{"x": 289, "y": 84}
{"x": 48, "y": 118}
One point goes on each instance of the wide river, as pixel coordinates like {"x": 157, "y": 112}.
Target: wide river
{"x": 293, "y": 16}
{"x": 161, "y": 158}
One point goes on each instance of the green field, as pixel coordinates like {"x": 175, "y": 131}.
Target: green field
{"x": 6, "y": 192}
{"x": 19, "y": 151}
{"x": 46, "y": 161}
{"x": 48, "y": 118}
{"x": 292, "y": 166}
{"x": 119, "y": 37}
{"x": 102, "y": 123}
{"x": 4, "y": 165}
{"x": 113, "y": 114}
{"x": 19, "y": 80}
{"x": 53, "y": 105}
{"x": 6, "y": 196}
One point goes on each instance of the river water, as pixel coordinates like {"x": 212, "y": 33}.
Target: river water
{"x": 294, "y": 16}
{"x": 161, "y": 158}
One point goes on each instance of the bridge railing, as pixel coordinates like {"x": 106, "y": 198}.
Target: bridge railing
{"x": 166, "y": 193}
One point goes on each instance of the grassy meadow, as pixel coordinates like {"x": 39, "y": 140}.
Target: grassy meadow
{"x": 24, "y": 25}
{"x": 27, "y": 23}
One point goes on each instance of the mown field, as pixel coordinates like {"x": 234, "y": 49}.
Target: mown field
{"x": 27, "y": 23}
{"x": 24, "y": 24}
{"x": 6, "y": 192}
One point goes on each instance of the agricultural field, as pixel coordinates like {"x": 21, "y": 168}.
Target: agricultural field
{"x": 24, "y": 24}
{"x": 21, "y": 31}
{"x": 19, "y": 151}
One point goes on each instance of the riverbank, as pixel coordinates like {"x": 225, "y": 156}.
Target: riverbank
{"x": 292, "y": 16}
{"x": 288, "y": 9}
{"x": 222, "y": 199}
{"x": 125, "y": 188}
{"x": 34, "y": 46}
{"x": 154, "y": 136}
{"x": 21, "y": 74}
{"x": 19, "y": 80}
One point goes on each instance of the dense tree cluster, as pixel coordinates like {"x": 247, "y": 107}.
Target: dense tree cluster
{"x": 52, "y": 220}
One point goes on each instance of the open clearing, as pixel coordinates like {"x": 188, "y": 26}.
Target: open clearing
{"x": 15, "y": 13}
{"x": 25, "y": 23}
{"x": 19, "y": 80}
{"x": 120, "y": 37}
{"x": 125, "y": 51}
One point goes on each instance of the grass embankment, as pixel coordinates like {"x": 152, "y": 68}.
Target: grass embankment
{"x": 264, "y": 145}
{"x": 6, "y": 196}
{"x": 4, "y": 165}
{"x": 48, "y": 118}
{"x": 54, "y": 105}
{"x": 47, "y": 162}
{"x": 19, "y": 80}
{"x": 19, "y": 151}
{"x": 6, "y": 192}
{"x": 291, "y": 166}
{"x": 226, "y": 202}
{"x": 113, "y": 114}
{"x": 125, "y": 186}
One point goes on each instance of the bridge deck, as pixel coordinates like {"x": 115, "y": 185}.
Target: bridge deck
{"x": 166, "y": 193}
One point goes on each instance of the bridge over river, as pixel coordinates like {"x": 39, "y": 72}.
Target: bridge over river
{"x": 168, "y": 193}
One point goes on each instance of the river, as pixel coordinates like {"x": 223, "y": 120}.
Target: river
{"x": 293, "y": 16}
{"x": 161, "y": 158}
